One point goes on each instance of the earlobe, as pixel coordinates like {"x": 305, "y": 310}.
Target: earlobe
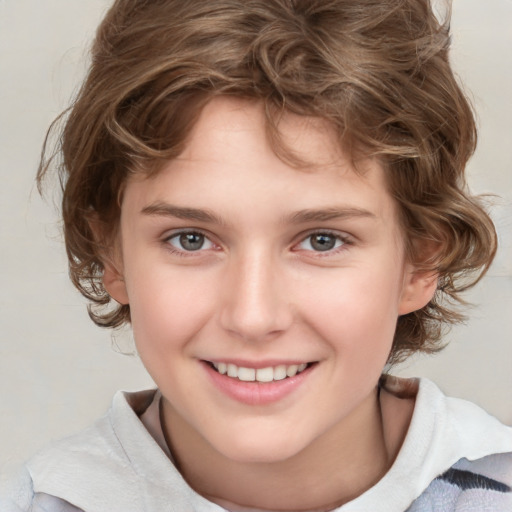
{"x": 417, "y": 292}
{"x": 114, "y": 283}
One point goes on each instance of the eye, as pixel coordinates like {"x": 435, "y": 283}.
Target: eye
{"x": 189, "y": 241}
{"x": 322, "y": 242}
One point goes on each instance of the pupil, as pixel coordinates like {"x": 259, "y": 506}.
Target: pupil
{"x": 192, "y": 241}
{"x": 323, "y": 242}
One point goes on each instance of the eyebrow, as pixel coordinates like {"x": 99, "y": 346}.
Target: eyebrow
{"x": 325, "y": 214}
{"x": 182, "y": 212}
{"x": 299, "y": 217}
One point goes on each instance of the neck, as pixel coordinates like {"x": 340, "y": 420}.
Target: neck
{"x": 339, "y": 465}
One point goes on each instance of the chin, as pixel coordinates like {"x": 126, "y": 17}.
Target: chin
{"x": 258, "y": 455}
{"x": 253, "y": 446}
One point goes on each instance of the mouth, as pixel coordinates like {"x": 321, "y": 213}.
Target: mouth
{"x": 261, "y": 383}
{"x": 263, "y": 375}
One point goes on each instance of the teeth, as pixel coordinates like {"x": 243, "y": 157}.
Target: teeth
{"x": 232, "y": 370}
{"x": 265, "y": 374}
{"x": 292, "y": 370}
{"x": 268, "y": 374}
{"x": 280, "y": 372}
{"x": 246, "y": 374}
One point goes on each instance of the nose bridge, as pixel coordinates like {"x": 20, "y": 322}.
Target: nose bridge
{"x": 255, "y": 303}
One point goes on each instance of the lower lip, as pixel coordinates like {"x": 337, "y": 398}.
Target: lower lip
{"x": 257, "y": 393}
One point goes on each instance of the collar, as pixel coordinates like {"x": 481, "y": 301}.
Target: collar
{"x": 116, "y": 465}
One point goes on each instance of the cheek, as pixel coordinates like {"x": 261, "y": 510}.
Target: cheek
{"x": 167, "y": 307}
{"x": 356, "y": 310}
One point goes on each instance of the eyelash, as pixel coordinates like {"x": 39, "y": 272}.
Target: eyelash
{"x": 345, "y": 240}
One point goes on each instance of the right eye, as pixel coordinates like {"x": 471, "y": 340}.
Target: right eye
{"x": 189, "y": 241}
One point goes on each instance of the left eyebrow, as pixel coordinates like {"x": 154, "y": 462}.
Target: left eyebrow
{"x": 326, "y": 214}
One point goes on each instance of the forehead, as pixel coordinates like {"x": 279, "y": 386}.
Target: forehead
{"x": 229, "y": 163}
{"x": 225, "y": 122}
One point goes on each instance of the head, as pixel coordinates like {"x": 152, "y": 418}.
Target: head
{"x": 377, "y": 73}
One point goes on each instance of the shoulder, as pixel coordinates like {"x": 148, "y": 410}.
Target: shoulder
{"x": 86, "y": 469}
{"x": 93, "y": 447}
{"x": 483, "y": 484}
{"x": 447, "y": 439}
{"x": 17, "y": 495}
{"x": 16, "y": 490}
{"x": 468, "y": 451}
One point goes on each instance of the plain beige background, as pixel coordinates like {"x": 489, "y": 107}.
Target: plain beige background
{"x": 58, "y": 371}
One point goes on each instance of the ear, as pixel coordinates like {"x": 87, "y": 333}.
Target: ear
{"x": 114, "y": 283}
{"x": 111, "y": 259}
{"x": 419, "y": 288}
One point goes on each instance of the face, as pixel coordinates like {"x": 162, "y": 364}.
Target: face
{"x": 263, "y": 298}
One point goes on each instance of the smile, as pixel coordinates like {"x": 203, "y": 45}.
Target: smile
{"x": 269, "y": 383}
{"x": 268, "y": 374}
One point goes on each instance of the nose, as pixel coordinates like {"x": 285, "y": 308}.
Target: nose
{"x": 255, "y": 305}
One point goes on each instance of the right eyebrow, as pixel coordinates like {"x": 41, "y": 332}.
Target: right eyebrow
{"x": 181, "y": 212}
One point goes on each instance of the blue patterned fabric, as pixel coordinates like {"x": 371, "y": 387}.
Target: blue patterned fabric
{"x": 464, "y": 488}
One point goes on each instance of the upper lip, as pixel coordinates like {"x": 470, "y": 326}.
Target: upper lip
{"x": 259, "y": 364}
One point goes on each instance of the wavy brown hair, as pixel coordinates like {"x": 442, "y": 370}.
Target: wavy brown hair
{"x": 378, "y": 70}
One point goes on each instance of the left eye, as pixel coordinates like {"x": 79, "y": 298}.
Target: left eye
{"x": 321, "y": 242}
{"x": 190, "y": 241}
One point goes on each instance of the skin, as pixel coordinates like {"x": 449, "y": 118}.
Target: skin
{"x": 259, "y": 290}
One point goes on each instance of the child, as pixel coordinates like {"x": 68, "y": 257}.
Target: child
{"x": 271, "y": 192}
